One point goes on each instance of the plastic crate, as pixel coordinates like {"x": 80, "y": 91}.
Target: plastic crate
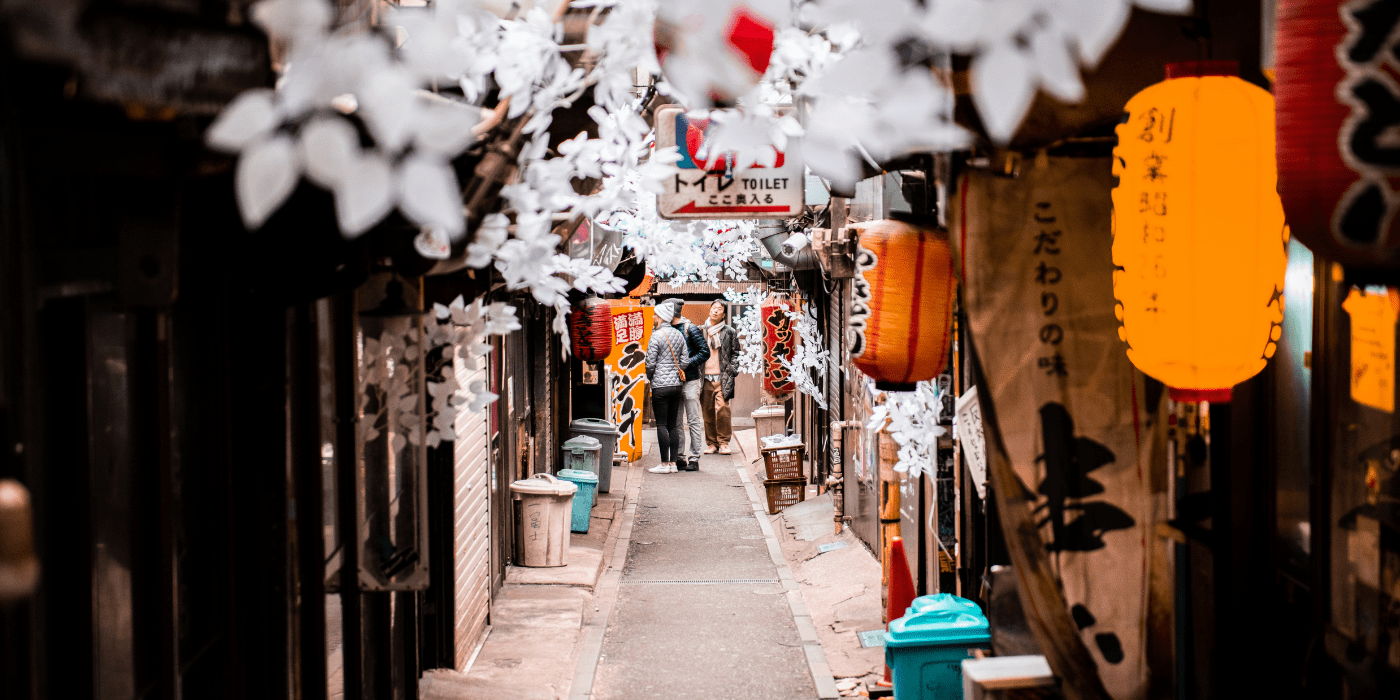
{"x": 783, "y": 462}
{"x": 784, "y": 492}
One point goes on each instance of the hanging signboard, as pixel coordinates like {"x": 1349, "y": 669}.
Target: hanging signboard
{"x": 626, "y": 376}
{"x": 1072, "y": 411}
{"x": 707, "y": 186}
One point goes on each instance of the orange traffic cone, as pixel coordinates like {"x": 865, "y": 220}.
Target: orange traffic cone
{"x": 901, "y": 590}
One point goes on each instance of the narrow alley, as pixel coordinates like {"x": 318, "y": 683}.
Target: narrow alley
{"x": 702, "y": 611}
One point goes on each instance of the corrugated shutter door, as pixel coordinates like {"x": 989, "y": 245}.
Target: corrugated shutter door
{"x": 471, "y": 525}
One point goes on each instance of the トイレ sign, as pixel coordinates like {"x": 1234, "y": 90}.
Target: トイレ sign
{"x": 707, "y": 186}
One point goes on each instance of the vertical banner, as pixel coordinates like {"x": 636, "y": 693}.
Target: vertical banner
{"x": 631, "y": 328}
{"x": 1036, "y": 255}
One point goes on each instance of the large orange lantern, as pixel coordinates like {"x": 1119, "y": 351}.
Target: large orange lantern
{"x": 779, "y": 343}
{"x": 1199, "y": 242}
{"x": 902, "y": 310}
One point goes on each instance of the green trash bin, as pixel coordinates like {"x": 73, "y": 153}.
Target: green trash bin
{"x": 925, "y": 648}
{"x": 587, "y": 483}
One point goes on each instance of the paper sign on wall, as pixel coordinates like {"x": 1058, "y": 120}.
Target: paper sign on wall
{"x": 968, "y": 427}
{"x": 1373, "y": 319}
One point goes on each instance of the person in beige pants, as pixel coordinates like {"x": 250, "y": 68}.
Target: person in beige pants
{"x": 718, "y": 373}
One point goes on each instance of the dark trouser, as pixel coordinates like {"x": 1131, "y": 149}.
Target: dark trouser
{"x": 718, "y": 431}
{"x": 667, "y": 402}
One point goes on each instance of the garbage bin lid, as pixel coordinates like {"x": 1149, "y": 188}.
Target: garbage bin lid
{"x": 582, "y": 443}
{"x": 937, "y": 626}
{"x": 593, "y": 424}
{"x": 768, "y": 411}
{"x": 544, "y": 484}
{"x": 943, "y": 601}
{"x": 581, "y": 476}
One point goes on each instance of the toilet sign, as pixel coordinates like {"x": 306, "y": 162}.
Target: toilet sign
{"x": 711, "y": 189}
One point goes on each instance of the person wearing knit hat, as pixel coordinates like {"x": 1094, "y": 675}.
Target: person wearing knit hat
{"x": 665, "y": 366}
{"x": 692, "y": 416}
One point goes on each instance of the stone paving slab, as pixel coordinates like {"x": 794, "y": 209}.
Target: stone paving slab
{"x": 585, "y": 564}
{"x": 701, "y": 612}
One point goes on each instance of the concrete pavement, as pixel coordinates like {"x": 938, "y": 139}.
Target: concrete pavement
{"x": 702, "y": 610}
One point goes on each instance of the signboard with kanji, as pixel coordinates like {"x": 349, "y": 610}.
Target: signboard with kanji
{"x": 707, "y": 187}
{"x": 626, "y": 384}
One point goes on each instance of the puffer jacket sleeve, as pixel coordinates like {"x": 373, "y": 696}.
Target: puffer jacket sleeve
{"x": 729, "y": 361}
{"x": 653, "y": 354}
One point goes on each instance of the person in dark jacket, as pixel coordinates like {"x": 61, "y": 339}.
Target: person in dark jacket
{"x": 719, "y": 372}
{"x": 690, "y": 405}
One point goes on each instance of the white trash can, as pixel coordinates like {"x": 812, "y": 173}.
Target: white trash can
{"x": 543, "y": 509}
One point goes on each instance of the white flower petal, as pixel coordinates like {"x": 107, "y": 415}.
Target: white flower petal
{"x": 249, "y": 118}
{"x": 1003, "y": 84}
{"x": 329, "y": 147}
{"x": 428, "y": 194}
{"x": 266, "y": 174}
{"x": 364, "y": 195}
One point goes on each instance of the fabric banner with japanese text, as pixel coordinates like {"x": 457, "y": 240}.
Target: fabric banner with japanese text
{"x": 1038, "y": 274}
{"x": 626, "y": 377}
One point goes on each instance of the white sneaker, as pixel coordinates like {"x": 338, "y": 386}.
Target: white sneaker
{"x": 724, "y": 449}
{"x": 667, "y": 468}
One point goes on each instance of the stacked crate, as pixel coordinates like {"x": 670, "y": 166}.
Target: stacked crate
{"x": 783, "y": 480}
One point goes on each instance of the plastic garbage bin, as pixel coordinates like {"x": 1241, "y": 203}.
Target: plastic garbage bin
{"x": 587, "y": 483}
{"x": 543, "y": 508}
{"x": 925, "y": 648}
{"x": 605, "y": 433}
{"x": 582, "y": 453}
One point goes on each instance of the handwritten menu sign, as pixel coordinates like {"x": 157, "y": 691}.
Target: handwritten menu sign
{"x": 1373, "y": 319}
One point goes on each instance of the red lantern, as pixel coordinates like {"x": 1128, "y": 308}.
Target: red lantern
{"x": 779, "y": 342}
{"x": 902, "y": 315}
{"x": 1335, "y": 111}
{"x": 590, "y": 330}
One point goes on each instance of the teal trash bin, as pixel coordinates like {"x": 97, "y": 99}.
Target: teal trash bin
{"x": 925, "y": 648}
{"x": 606, "y": 433}
{"x": 587, "y": 483}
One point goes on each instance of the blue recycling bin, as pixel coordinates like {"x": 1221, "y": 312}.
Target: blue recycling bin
{"x": 587, "y": 483}
{"x": 925, "y": 648}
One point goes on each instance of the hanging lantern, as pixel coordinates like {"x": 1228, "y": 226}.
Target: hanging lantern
{"x": 1199, "y": 240}
{"x": 19, "y": 567}
{"x": 1336, "y": 120}
{"x": 779, "y": 342}
{"x": 902, "y": 307}
{"x": 590, "y": 330}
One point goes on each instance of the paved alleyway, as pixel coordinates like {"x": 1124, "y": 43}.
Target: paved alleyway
{"x": 701, "y": 611}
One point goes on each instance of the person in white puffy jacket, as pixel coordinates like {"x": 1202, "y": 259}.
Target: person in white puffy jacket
{"x": 666, "y": 359}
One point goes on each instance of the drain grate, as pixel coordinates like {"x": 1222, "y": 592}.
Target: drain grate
{"x": 872, "y": 638}
{"x": 705, "y": 582}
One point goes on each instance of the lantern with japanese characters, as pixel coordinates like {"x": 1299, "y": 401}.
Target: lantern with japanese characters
{"x": 779, "y": 343}
{"x": 591, "y": 329}
{"x": 902, "y": 306}
{"x": 1199, "y": 241}
{"x": 1338, "y": 162}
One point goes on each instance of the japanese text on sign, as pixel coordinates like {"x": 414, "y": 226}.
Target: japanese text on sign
{"x": 1048, "y": 276}
{"x": 627, "y": 328}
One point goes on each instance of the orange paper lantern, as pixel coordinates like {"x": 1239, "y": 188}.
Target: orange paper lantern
{"x": 902, "y": 312}
{"x": 1199, "y": 240}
